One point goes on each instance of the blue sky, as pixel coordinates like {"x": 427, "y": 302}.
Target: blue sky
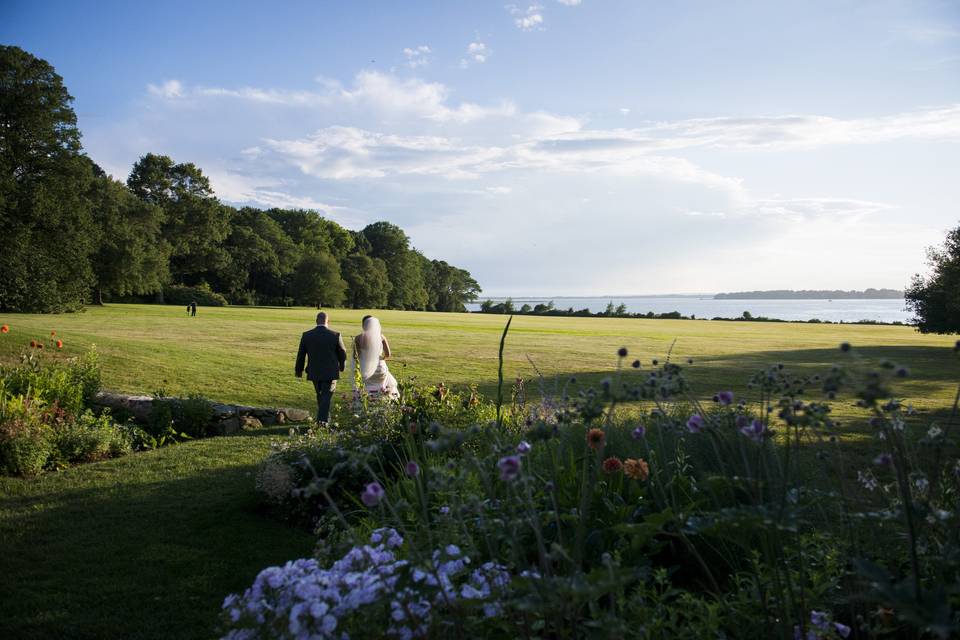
{"x": 553, "y": 148}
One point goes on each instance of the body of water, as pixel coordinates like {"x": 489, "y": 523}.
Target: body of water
{"x": 707, "y": 307}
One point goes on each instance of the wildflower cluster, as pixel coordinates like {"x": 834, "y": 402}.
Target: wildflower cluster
{"x": 304, "y": 600}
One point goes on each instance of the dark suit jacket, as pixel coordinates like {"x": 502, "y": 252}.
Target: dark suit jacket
{"x": 324, "y": 353}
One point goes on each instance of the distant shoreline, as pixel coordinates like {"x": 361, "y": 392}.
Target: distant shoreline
{"x": 812, "y": 294}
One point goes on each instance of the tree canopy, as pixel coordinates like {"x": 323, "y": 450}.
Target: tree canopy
{"x": 72, "y": 234}
{"x": 935, "y": 298}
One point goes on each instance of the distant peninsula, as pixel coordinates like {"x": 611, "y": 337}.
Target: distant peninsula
{"x": 811, "y": 294}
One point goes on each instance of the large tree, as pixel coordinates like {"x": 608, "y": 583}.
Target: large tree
{"x": 132, "y": 258}
{"x": 196, "y": 223}
{"x": 317, "y": 281}
{"x": 389, "y": 243}
{"x": 313, "y": 232}
{"x": 45, "y": 214}
{"x": 450, "y": 288}
{"x": 262, "y": 257}
{"x": 935, "y": 298}
{"x": 367, "y": 281}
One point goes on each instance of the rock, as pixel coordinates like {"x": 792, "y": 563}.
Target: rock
{"x": 295, "y": 415}
{"x": 222, "y": 411}
{"x": 138, "y": 406}
{"x": 268, "y": 420}
{"x": 249, "y": 422}
{"x": 227, "y": 427}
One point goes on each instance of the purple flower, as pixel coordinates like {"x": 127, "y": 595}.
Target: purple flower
{"x": 883, "y": 460}
{"x": 639, "y": 432}
{"x": 842, "y": 629}
{"x": 509, "y": 467}
{"x": 742, "y": 421}
{"x": 444, "y": 510}
{"x": 695, "y": 424}
{"x": 756, "y": 430}
{"x": 725, "y": 397}
{"x": 372, "y": 494}
{"x": 412, "y": 469}
{"x": 524, "y": 447}
{"x": 819, "y": 619}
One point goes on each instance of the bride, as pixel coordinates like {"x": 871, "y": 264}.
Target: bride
{"x": 370, "y": 351}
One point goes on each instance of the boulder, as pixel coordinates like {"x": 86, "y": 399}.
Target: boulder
{"x": 249, "y": 422}
{"x": 226, "y": 427}
{"x": 295, "y": 415}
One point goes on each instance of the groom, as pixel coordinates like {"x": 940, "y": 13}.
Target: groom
{"x": 325, "y": 355}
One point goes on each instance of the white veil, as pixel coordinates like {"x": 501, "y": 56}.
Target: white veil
{"x": 371, "y": 346}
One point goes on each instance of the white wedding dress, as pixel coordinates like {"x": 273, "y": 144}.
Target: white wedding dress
{"x": 377, "y": 379}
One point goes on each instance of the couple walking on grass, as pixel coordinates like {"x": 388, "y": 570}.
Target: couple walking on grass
{"x": 322, "y": 350}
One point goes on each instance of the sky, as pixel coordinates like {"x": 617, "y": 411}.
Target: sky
{"x": 564, "y": 147}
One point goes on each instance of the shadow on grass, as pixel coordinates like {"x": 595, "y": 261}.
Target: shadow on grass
{"x": 140, "y": 552}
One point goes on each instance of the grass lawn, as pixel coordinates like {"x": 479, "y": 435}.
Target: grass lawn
{"x": 144, "y": 546}
{"x": 238, "y": 354}
{"x": 147, "y": 546}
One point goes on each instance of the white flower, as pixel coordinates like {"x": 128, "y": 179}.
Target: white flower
{"x": 934, "y": 432}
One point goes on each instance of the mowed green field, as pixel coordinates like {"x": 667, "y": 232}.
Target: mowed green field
{"x": 246, "y": 355}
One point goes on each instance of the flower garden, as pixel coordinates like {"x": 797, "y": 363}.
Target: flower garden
{"x": 446, "y": 514}
{"x": 625, "y": 508}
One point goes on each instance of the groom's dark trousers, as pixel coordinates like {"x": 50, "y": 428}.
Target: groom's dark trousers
{"x": 324, "y": 354}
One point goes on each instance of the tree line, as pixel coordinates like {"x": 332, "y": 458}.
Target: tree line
{"x": 73, "y": 235}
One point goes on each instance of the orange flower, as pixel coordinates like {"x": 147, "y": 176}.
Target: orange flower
{"x": 636, "y": 469}
{"x": 39, "y": 345}
{"x": 612, "y": 465}
{"x": 596, "y": 438}
{"x": 53, "y": 334}
{"x": 4, "y": 329}
{"x": 33, "y": 344}
{"x": 59, "y": 344}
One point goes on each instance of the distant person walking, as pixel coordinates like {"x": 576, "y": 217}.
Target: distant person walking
{"x": 325, "y": 356}
{"x": 193, "y": 308}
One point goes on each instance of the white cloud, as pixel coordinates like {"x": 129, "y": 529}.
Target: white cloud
{"x": 570, "y": 3}
{"x": 417, "y": 56}
{"x": 624, "y": 111}
{"x": 530, "y": 19}
{"x": 477, "y": 52}
{"x": 169, "y": 90}
{"x": 373, "y": 90}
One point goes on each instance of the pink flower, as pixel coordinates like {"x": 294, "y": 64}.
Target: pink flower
{"x": 372, "y": 494}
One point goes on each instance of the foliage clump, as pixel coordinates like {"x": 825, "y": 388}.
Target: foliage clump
{"x": 572, "y": 518}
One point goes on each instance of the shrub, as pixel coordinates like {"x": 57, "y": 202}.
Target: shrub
{"x": 189, "y": 417}
{"x": 25, "y": 439}
{"x": 184, "y": 295}
{"x": 89, "y": 438}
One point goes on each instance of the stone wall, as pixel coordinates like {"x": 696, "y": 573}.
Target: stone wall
{"x": 227, "y": 418}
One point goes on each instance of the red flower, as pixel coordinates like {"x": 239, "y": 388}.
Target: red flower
{"x": 596, "y": 438}
{"x": 33, "y": 344}
{"x": 612, "y": 465}
{"x": 59, "y": 344}
{"x": 4, "y": 329}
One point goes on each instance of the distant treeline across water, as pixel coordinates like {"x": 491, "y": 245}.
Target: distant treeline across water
{"x": 813, "y": 294}
{"x": 885, "y": 311}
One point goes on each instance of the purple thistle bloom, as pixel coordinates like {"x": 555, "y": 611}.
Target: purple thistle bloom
{"x": 883, "y": 460}
{"x": 842, "y": 629}
{"x": 509, "y": 467}
{"x": 819, "y": 619}
{"x": 524, "y": 447}
{"x": 756, "y": 430}
{"x": 639, "y": 432}
{"x": 725, "y": 397}
{"x": 412, "y": 469}
{"x": 372, "y": 494}
{"x": 695, "y": 424}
